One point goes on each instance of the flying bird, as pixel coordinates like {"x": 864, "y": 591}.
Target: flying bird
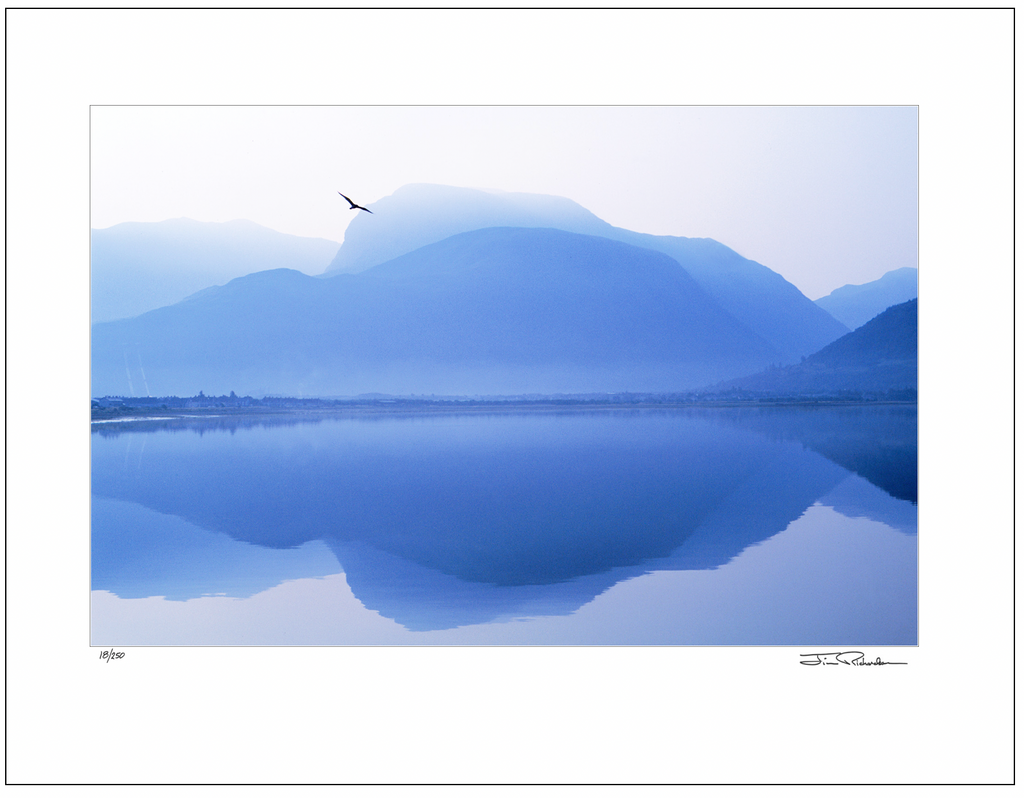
{"x": 354, "y": 206}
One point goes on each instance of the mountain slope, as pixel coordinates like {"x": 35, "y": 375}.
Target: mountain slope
{"x": 879, "y": 356}
{"x": 493, "y": 311}
{"x": 855, "y": 305}
{"x": 759, "y": 297}
{"x": 139, "y": 266}
{"x": 418, "y": 215}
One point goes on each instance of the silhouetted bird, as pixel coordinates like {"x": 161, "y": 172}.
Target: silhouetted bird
{"x": 354, "y": 206}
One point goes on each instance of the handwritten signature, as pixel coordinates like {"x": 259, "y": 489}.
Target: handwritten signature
{"x": 843, "y": 658}
{"x": 110, "y": 655}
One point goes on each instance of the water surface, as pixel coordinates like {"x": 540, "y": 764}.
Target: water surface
{"x": 748, "y": 526}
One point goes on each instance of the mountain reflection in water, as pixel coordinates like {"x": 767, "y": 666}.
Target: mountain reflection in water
{"x": 443, "y": 520}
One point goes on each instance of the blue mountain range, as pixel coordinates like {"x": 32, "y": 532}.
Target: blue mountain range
{"x": 456, "y": 291}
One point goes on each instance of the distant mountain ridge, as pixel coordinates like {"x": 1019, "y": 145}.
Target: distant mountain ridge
{"x": 855, "y": 305}
{"x": 876, "y": 357}
{"x": 421, "y": 214}
{"x": 141, "y": 266}
{"x": 492, "y": 311}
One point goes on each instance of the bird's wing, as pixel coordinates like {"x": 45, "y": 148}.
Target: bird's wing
{"x": 350, "y": 202}
{"x": 366, "y": 209}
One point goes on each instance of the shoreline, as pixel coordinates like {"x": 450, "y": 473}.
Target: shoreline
{"x": 129, "y": 413}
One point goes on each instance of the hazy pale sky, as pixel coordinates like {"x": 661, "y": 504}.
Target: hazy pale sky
{"x": 823, "y": 195}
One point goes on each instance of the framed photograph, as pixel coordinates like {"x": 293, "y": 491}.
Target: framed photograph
{"x": 510, "y": 397}
{"x": 458, "y": 415}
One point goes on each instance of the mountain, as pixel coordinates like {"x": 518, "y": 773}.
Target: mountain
{"x": 491, "y": 311}
{"x": 139, "y": 266}
{"x": 854, "y": 305}
{"x": 877, "y": 357}
{"x": 421, "y": 214}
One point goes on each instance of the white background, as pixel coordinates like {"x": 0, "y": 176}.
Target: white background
{"x": 493, "y": 715}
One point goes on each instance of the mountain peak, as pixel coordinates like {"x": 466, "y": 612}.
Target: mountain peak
{"x": 854, "y": 305}
{"x": 420, "y": 214}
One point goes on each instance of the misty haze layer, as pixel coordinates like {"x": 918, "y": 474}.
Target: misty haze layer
{"x": 140, "y": 266}
{"x": 493, "y": 311}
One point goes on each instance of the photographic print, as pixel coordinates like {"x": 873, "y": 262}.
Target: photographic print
{"x": 504, "y": 375}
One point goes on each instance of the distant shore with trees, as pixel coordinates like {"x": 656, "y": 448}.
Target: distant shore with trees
{"x": 123, "y": 407}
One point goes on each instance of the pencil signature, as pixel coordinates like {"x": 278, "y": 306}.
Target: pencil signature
{"x": 843, "y": 658}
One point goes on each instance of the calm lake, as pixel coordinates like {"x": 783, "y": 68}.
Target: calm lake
{"x": 708, "y": 526}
